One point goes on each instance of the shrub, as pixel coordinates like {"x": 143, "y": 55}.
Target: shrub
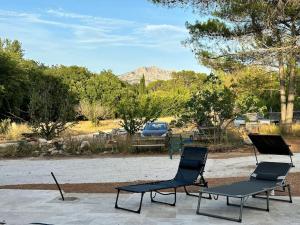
{"x": 4, "y": 126}
{"x": 8, "y": 151}
{"x": 25, "y": 149}
{"x": 51, "y": 106}
{"x": 213, "y": 106}
{"x": 95, "y": 111}
{"x": 16, "y": 130}
{"x": 135, "y": 111}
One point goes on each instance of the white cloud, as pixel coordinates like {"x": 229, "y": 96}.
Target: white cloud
{"x": 122, "y": 32}
{"x": 84, "y": 31}
{"x": 92, "y": 20}
{"x": 164, "y": 28}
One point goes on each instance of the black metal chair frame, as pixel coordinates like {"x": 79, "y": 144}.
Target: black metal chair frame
{"x": 202, "y": 183}
{"x": 284, "y": 187}
{"x": 241, "y": 206}
{"x": 262, "y": 194}
{"x": 153, "y": 192}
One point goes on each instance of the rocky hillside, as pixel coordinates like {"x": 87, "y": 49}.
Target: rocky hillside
{"x": 151, "y": 74}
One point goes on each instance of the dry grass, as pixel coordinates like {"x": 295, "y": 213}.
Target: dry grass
{"x": 87, "y": 127}
{"x": 15, "y": 131}
{"x": 167, "y": 119}
{"x": 274, "y": 129}
{"x": 296, "y": 130}
{"x": 269, "y": 129}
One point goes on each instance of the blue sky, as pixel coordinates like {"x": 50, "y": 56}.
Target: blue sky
{"x": 100, "y": 34}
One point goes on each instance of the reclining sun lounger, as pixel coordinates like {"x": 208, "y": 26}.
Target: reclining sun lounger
{"x": 191, "y": 167}
{"x": 266, "y": 177}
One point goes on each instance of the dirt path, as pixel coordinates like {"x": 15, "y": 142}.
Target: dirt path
{"x": 293, "y": 179}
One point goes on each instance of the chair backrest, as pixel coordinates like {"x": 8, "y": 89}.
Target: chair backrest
{"x": 272, "y": 171}
{"x": 192, "y": 163}
{"x": 270, "y": 144}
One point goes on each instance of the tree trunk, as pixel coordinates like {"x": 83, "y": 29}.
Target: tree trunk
{"x": 292, "y": 81}
{"x": 291, "y": 92}
{"x": 282, "y": 90}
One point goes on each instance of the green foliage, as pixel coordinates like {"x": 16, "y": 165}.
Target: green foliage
{"x": 95, "y": 111}
{"x": 225, "y": 63}
{"x": 13, "y": 81}
{"x": 24, "y": 149}
{"x": 13, "y": 48}
{"x": 211, "y": 27}
{"x": 212, "y": 105}
{"x": 173, "y": 94}
{"x": 142, "y": 86}
{"x": 105, "y": 87}
{"x": 188, "y": 79}
{"x": 256, "y": 89}
{"x": 74, "y": 77}
{"x": 51, "y": 106}
{"x": 135, "y": 111}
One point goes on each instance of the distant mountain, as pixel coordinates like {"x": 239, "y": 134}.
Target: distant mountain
{"x": 151, "y": 73}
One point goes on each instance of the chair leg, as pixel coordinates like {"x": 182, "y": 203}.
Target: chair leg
{"x": 289, "y": 191}
{"x": 268, "y": 200}
{"x": 199, "y": 202}
{"x": 241, "y": 205}
{"x": 166, "y": 203}
{"x": 278, "y": 199}
{"x": 250, "y": 207}
{"x": 126, "y": 209}
{"x": 241, "y": 210}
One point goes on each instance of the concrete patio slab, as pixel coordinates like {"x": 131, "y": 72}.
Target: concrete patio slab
{"x": 24, "y": 207}
{"x": 121, "y": 169}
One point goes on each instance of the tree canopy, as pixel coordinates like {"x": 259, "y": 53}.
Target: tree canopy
{"x": 242, "y": 32}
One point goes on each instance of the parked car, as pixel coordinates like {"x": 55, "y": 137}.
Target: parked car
{"x": 264, "y": 121}
{"x": 239, "y": 121}
{"x": 158, "y": 129}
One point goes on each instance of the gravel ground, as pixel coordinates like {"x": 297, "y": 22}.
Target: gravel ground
{"x": 105, "y": 170}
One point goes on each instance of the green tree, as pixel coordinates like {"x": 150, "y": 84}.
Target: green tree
{"x": 51, "y": 107}
{"x": 142, "y": 85}
{"x": 213, "y": 105}
{"x": 256, "y": 89}
{"x": 136, "y": 110}
{"x": 74, "y": 77}
{"x": 12, "y": 47}
{"x": 174, "y": 93}
{"x": 13, "y": 85}
{"x": 105, "y": 88}
{"x": 256, "y": 32}
{"x": 189, "y": 79}
{"x": 15, "y": 79}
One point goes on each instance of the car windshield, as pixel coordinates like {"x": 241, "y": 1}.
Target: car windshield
{"x": 155, "y": 126}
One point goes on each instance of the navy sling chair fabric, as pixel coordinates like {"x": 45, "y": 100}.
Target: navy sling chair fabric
{"x": 267, "y": 177}
{"x": 191, "y": 167}
{"x": 270, "y": 144}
